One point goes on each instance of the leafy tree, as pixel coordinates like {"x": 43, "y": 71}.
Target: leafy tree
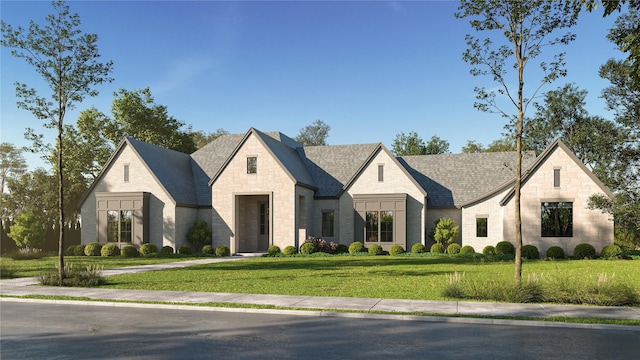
{"x": 472, "y": 147}
{"x": 12, "y": 165}
{"x": 408, "y": 144}
{"x": 69, "y": 62}
{"x": 200, "y": 138}
{"x": 437, "y": 146}
{"x": 444, "y": 232}
{"x": 33, "y": 192}
{"x": 526, "y": 27}
{"x": 502, "y": 145}
{"x": 315, "y": 134}
{"x": 136, "y": 114}
{"x": 200, "y": 233}
{"x": 28, "y": 230}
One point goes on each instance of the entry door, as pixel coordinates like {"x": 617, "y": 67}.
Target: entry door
{"x": 263, "y": 226}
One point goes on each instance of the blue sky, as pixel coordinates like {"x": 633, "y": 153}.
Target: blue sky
{"x": 368, "y": 69}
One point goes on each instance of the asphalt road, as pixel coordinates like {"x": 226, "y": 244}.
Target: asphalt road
{"x": 49, "y": 331}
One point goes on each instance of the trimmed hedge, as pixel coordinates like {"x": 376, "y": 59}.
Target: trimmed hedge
{"x": 453, "y": 248}
{"x": 70, "y": 251}
{"x": 78, "y": 250}
{"x": 110, "y": 250}
{"x": 208, "y": 249}
{"x": 584, "y": 251}
{"x": 418, "y": 249}
{"x": 467, "y": 249}
{"x": 185, "y": 250}
{"x": 93, "y": 249}
{"x": 437, "y": 248}
{"x": 274, "y": 250}
{"x": 148, "y": 249}
{"x": 530, "y": 252}
{"x": 555, "y": 252}
{"x": 505, "y": 248}
{"x": 612, "y": 252}
{"x": 166, "y": 250}
{"x": 290, "y": 250}
{"x": 395, "y": 250}
{"x": 356, "y": 247}
{"x": 376, "y": 249}
{"x": 342, "y": 249}
{"x": 489, "y": 250}
{"x": 307, "y": 248}
{"x": 223, "y": 250}
{"x": 129, "y": 251}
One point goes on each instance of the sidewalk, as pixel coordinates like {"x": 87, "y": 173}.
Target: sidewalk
{"x": 24, "y": 286}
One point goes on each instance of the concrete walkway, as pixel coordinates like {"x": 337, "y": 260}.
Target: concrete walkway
{"x": 25, "y": 286}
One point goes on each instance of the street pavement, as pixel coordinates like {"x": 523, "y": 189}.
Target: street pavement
{"x": 321, "y": 304}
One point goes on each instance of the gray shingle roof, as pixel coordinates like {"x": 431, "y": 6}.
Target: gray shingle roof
{"x": 333, "y": 166}
{"x": 454, "y": 179}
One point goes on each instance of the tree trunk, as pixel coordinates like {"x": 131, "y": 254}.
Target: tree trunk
{"x": 60, "y": 202}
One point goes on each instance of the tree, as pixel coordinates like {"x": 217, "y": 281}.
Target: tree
{"x": 68, "y": 61}
{"x": 405, "y": 145}
{"x": 33, "y": 192}
{"x": 526, "y": 27}
{"x": 201, "y": 139}
{"x": 502, "y": 145}
{"x": 199, "y": 234}
{"x": 136, "y": 114}
{"x": 28, "y": 230}
{"x": 444, "y": 232}
{"x": 12, "y": 165}
{"x": 472, "y": 147}
{"x": 437, "y": 146}
{"x": 314, "y": 135}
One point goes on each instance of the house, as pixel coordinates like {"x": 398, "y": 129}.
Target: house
{"x": 259, "y": 189}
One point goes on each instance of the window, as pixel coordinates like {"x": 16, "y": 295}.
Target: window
{"x": 327, "y": 223}
{"x": 119, "y": 227}
{"x": 481, "y": 227}
{"x": 556, "y": 178}
{"x": 381, "y": 173}
{"x": 252, "y": 165}
{"x": 126, "y": 173}
{"x": 557, "y": 219}
{"x": 379, "y": 226}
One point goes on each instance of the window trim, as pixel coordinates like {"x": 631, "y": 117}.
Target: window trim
{"x": 556, "y": 177}
{"x": 328, "y": 224}
{"x": 568, "y": 233}
{"x": 380, "y": 172}
{"x": 125, "y": 170}
{"x": 486, "y": 226}
{"x": 252, "y": 164}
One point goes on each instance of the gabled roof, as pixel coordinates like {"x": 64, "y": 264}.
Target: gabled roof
{"x": 286, "y": 156}
{"x": 451, "y": 180}
{"x": 174, "y": 171}
{"x": 558, "y": 144}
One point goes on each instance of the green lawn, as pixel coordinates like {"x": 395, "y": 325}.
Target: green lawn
{"x": 29, "y": 268}
{"x": 362, "y": 276}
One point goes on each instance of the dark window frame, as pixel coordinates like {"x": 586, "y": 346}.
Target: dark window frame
{"x": 556, "y": 177}
{"x": 252, "y": 164}
{"x": 482, "y": 227}
{"x": 328, "y": 223}
{"x": 381, "y": 173}
{"x": 556, "y": 219}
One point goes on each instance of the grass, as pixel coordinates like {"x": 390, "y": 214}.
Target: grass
{"x": 410, "y": 277}
{"x": 37, "y": 267}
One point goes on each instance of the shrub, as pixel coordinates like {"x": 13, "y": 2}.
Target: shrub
{"x": 321, "y": 245}
{"x": 555, "y": 252}
{"x": 166, "y": 250}
{"x": 342, "y": 249}
{"x": 375, "y": 249}
{"x": 28, "y": 230}
{"x": 78, "y": 250}
{"x": 27, "y": 254}
{"x": 110, "y": 250}
{"x": 437, "y": 248}
{"x": 611, "y": 252}
{"x": 453, "y": 248}
{"x": 444, "y": 232}
{"x": 467, "y": 249}
{"x": 396, "y": 250}
{"x": 73, "y": 276}
{"x": 92, "y": 249}
{"x": 129, "y": 251}
{"x": 505, "y": 247}
{"x": 290, "y": 250}
{"x": 307, "y": 248}
{"x": 185, "y": 250}
{"x": 8, "y": 271}
{"x": 356, "y": 247}
{"x": 223, "y": 251}
{"x": 70, "y": 250}
{"x": 148, "y": 249}
{"x": 489, "y": 250}
{"x": 584, "y": 251}
{"x": 530, "y": 252}
{"x": 199, "y": 234}
{"x": 208, "y": 249}
{"x": 418, "y": 249}
{"x": 274, "y": 250}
